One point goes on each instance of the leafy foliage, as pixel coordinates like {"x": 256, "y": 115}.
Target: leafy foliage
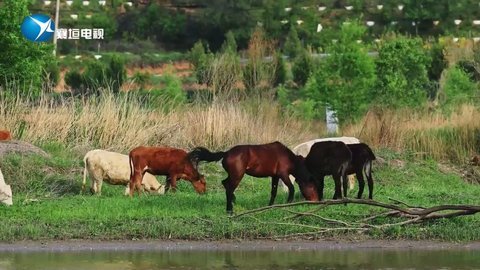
{"x": 458, "y": 88}
{"x": 345, "y": 78}
{"x": 293, "y": 46}
{"x": 21, "y": 62}
{"x": 402, "y": 73}
{"x": 302, "y": 68}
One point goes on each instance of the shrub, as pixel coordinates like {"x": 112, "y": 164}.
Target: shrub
{"x": 458, "y": 88}
{"x": 258, "y": 73}
{"x": 293, "y": 45}
{"x": 302, "y": 68}
{"x": 93, "y": 78}
{"x": 116, "y": 73}
{"x": 230, "y": 43}
{"x": 51, "y": 74}
{"x": 141, "y": 79}
{"x": 344, "y": 80}
{"x": 402, "y": 73}
{"x": 21, "y": 61}
{"x": 280, "y": 70}
{"x": 200, "y": 59}
{"x": 74, "y": 79}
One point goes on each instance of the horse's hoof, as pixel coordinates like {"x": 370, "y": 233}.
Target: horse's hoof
{"x": 230, "y": 213}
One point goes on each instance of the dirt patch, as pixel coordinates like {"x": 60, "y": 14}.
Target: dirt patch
{"x": 228, "y": 245}
{"x": 468, "y": 172}
{"x": 20, "y": 147}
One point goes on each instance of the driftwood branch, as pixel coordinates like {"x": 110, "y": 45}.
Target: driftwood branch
{"x": 409, "y": 214}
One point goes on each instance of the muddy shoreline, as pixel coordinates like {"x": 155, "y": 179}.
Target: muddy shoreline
{"x": 227, "y": 245}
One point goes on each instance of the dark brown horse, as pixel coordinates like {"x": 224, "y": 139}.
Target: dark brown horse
{"x": 265, "y": 160}
{"x": 172, "y": 162}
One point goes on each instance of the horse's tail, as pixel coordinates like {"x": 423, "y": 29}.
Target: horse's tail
{"x": 203, "y": 154}
{"x": 371, "y": 155}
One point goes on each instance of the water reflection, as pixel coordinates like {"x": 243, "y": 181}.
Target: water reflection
{"x": 323, "y": 259}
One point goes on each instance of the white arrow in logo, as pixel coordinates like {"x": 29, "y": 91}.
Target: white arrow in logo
{"x": 44, "y": 26}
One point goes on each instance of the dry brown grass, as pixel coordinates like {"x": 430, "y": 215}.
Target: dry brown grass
{"x": 455, "y": 137}
{"x": 121, "y": 123}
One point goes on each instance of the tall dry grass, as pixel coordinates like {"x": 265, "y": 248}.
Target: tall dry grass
{"x": 454, "y": 137}
{"x": 121, "y": 123}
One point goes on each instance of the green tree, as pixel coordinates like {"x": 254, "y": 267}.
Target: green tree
{"x": 22, "y": 62}
{"x": 402, "y": 70}
{"x": 302, "y": 68}
{"x": 345, "y": 78}
{"x": 292, "y": 46}
{"x": 200, "y": 59}
{"x": 230, "y": 43}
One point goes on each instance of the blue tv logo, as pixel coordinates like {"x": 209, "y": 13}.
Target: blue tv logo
{"x": 38, "y": 28}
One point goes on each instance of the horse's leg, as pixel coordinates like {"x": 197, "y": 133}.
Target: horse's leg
{"x": 361, "y": 183}
{"x": 230, "y": 184}
{"x": 338, "y": 186}
{"x": 368, "y": 173}
{"x": 291, "y": 190}
{"x": 320, "y": 186}
{"x": 344, "y": 183}
{"x": 273, "y": 192}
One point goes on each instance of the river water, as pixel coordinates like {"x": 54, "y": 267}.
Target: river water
{"x": 241, "y": 259}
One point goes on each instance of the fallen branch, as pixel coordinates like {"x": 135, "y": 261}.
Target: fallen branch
{"x": 413, "y": 214}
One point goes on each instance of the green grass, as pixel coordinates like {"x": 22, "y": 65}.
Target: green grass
{"x": 47, "y": 205}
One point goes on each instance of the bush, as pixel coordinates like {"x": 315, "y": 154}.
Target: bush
{"x": 93, "y": 78}
{"x": 402, "y": 73}
{"x": 21, "y": 61}
{"x": 302, "y": 68}
{"x": 173, "y": 90}
{"x": 280, "y": 70}
{"x": 293, "y": 45}
{"x": 74, "y": 79}
{"x": 116, "y": 73}
{"x": 141, "y": 79}
{"x": 258, "y": 73}
{"x": 458, "y": 88}
{"x": 51, "y": 74}
{"x": 200, "y": 59}
{"x": 344, "y": 80}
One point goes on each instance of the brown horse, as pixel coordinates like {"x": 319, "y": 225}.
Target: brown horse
{"x": 172, "y": 162}
{"x": 265, "y": 160}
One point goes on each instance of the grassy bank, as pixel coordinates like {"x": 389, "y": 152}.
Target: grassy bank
{"x": 47, "y": 204}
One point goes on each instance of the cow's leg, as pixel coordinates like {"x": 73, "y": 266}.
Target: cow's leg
{"x": 99, "y": 187}
{"x": 173, "y": 183}
{"x": 136, "y": 181}
{"x": 273, "y": 192}
{"x": 168, "y": 184}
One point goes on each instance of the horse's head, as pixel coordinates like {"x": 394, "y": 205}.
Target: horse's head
{"x": 305, "y": 179}
{"x": 200, "y": 185}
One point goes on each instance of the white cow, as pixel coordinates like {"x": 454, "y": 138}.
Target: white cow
{"x": 5, "y": 191}
{"x": 304, "y": 148}
{"x": 114, "y": 168}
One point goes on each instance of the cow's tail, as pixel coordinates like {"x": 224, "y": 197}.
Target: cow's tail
{"x": 203, "y": 154}
{"x": 85, "y": 160}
